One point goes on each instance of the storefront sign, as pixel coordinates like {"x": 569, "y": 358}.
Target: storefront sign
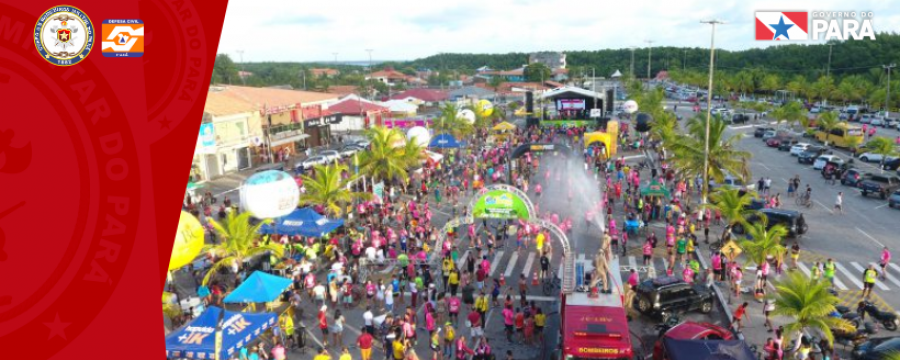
{"x": 206, "y": 142}
{"x": 277, "y": 109}
{"x": 543, "y": 147}
{"x": 314, "y": 122}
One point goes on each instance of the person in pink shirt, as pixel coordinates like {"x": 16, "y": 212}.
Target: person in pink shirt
{"x": 508, "y": 320}
{"x": 453, "y": 305}
{"x": 648, "y": 252}
{"x": 688, "y": 275}
{"x": 885, "y": 259}
{"x": 633, "y": 279}
{"x": 538, "y": 189}
{"x": 716, "y": 261}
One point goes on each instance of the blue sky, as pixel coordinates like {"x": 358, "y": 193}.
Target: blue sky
{"x": 281, "y": 30}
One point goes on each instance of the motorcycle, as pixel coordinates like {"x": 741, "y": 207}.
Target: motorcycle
{"x": 886, "y": 318}
{"x": 844, "y": 312}
{"x": 853, "y": 338}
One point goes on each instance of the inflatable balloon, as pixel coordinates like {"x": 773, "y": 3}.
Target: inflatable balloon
{"x": 630, "y": 106}
{"x": 467, "y": 114}
{"x": 270, "y": 194}
{"x": 419, "y": 134}
{"x": 484, "y": 108}
{"x": 188, "y": 241}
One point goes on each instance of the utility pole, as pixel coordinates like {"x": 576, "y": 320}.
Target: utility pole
{"x": 649, "y": 56}
{"x": 241, "y": 75}
{"x": 712, "y": 57}
{"x": 632, "y": 62}
{"x": 303, "y": 73}
{"x": 335, "y": 58}
{"x": 887, "y": 98}
{"x": 594, "y": 86}
{"x": 370, "y": 58}
{"x": 828, "y": 70}
{"x": 684, "y": 61}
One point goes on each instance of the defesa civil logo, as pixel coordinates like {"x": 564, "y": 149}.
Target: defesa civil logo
{"x": 123, "y": 38}
{"x": 826, "y": 25}
{"x": 64, "y": 35}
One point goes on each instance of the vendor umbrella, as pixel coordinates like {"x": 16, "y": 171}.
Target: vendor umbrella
{"x": 655, "y": 188}
{"x": 504, "y": 126}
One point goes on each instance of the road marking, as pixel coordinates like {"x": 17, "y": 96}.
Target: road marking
{"x": 764, "y": 165}
{"x": 632, "y": 262}
{"x": 822, "y": 205}
{"x": 849, "y": 275}
{"x": 882, "y": 205}
{"x": 464, "y": 258}
{"x": 528, "y": 263}
{"x": 861, "y": 270}
{"x": 634, "y": 157}
{"x": 869, "y": 236}
{"x": 511, "y": 264}
{"x": 497, "y": 257}
{"x": 665, "y": 263}
{"x": 890, "y": 277}
{"x": 804, "y": 269}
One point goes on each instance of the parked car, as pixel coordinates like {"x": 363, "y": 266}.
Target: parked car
{"x": 793, "y": 220}
{"x": 760, "y": 131}
{"x": 852, "y": 176}
{"x": 865, "y": 119}
{"x": 876, "y": 158}
{"x": 330, "y": 155}
{"x": 799, "y": 148}
{"x": 876, "y": 348}
{"x": 690, "y": 330}
{"x": 787, "y": 143}
{"x": 894, "y": 200}
{"x": 823, "y": 160}
{"x": 773, "y": 142}
{"x": 313, "y": 161}
{"x": 877, "y": 122}
{"x": 891, "y": 123}
{"x": 666, "y": 295}
{"x": 810, "y": 155}
{"x": 349, "y": 150}
{"x": 879, "y": 184}
{"x": 740, "y": 118}
{"x": 891, "y": 164}
{"x": 769, "y": 134}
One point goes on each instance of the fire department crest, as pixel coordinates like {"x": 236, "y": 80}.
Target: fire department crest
{"x": 64, "y": 35}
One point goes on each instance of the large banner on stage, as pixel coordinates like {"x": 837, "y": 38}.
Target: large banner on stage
{"x": 500, "y": 204}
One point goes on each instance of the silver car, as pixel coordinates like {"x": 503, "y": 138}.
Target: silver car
{"x": 314, "y": 160}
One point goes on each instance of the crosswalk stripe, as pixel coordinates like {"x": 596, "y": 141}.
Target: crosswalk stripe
{"x": 632, "y": 262}
{"x": 849, "y": 275}
{"x": 498, "y": 256}
{"x": 528, "y": 263}
{"x": 890, "y": 277}
{"x": 511, "y": 264}
{"x": 665, "y": 264}
{"x": 895, "y": 267}
{"x": 862, "y": 270}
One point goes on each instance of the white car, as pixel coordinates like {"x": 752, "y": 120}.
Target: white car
{"x": 877, "y": 122}
{"x": 865, "y": 119}
{"x": 349, "y": 150}
{"x": 314, "y": 160}
{"x": 820, "y": 162}
{"x": 798, "y": 148}
{"x": 769, "y": 134}
{"x": 871, "y": 157}
{"x": 330, "y": 155}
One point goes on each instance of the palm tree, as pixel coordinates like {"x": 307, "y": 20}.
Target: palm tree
{"x": 732, "y": 204}
{"x": 450, "y": 123}
{"x": 827, "y": 121}
{"x": 724, "y": 157}
{"x": 824, "y": 87}
{"x": 809, "y": 302}
{"x": 238, "y": 243}
{"x": 881, "y": 146}
{"x": 384, "y": 160}
{"x": 663, "y": 127}
{"x": 329, "y": 189}
{"x": 793, "y": 112}
{"x": 770, "y": 83}
{"x": 763, "y": 242}
{"x": 413, "y": 154}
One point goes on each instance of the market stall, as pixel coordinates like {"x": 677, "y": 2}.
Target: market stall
{"x": 303, "y": 222}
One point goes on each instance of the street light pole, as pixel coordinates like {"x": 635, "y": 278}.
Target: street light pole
{"x": 632, "y": 63}
{"x": 712, "y": 55}
{"x": 241, "y": 75}
{"x": 684, "y": 61}
{"x": 370, "y": 58}
{"x": 649, "y": 56}
{"x": 828, "y": 70}
{"x": 594, "y": 86}
{"x": 335, "y": 58}
{"x": 887, "y": 98}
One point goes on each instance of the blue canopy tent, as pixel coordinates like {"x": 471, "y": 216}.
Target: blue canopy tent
{"x": 259, "y": 287}
{"x": 304, "y": 222}
{"x": 197, "y": 340}
{"x": 239, "y": 329}
{"x": 444, "y": 141}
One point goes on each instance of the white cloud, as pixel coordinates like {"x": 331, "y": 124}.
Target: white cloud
{"x": 282, "y": 30}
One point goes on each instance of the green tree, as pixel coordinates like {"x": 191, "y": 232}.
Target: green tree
{"x": 224, "y": 71}
{"x": 733, "y": 205}
{"x": 823, "y": 88}
{"x": 384, "y": 160}
{"x": 537, "y": 72}
{"x": 724, "y": 156}
{"x": 329, "y": 189}
{"x": 827, "y": 121}
{"x": 770, "y": 83}
{"x": 450, "y": 123}
{"x": 238, "y": 243}
{"x": 495, "y": 82}
{"x": 882, "y": 146}
{"x": 791, "y": 112}
{"x": 809, "y": 303}
{"x": 763, "y": 242}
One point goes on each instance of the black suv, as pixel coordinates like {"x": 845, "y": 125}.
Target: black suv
{"x": 791, "y": 219}
{"x": 879, "y": 184}
{"x": 809, "y": 156}
{"x": 740, "y": 118}
{"x": 668, "y": 295}
{"x": 891, "y": 165}
{"x": 760, "y": 131}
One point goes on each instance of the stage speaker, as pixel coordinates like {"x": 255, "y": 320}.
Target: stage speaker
{"x": 610, "y": 100}
{"x": 529, "y": 102}
{"x": 642, "y": 122}
{"x": 532, "y": 121}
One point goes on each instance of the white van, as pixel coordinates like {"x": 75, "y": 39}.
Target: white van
{"x": 852, "y": 110}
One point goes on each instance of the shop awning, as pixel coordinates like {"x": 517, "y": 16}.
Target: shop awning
{"x": 289, "y": 139}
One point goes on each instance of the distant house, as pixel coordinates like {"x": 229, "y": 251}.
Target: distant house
{"x": 388, "y": 76}
{"x": 471, "y": 92}
{"x": 553, "y": 60}
{"x": 342, "y": 90}
{"x": 427, "y": 97}
{"x": 514, "y": 75}
{"x": 662, "y": 75}
{"x": 483, "y": 69}
{"x": 358, "y": 113}
{"x": 324, "y": 72}
{"x": 244, "y": 74}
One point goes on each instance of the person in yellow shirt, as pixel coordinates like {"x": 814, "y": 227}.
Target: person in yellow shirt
{"x": 539, "y": 321}
{"x": 399, "y": 349}
{"x": 345, "y": 354}
{"x": 539, "y": 241}
{"x": 481, "y": 304}
{"x": 322, "y": 355}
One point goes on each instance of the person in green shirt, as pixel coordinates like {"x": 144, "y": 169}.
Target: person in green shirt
{"x": 829, "y": 271}
{"x": 869, "y": 276}
{"x": 402, "y": 260}
{"x": 681, "y": 249}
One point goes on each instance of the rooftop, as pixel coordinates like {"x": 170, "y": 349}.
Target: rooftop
{"x": 269, "y": 97}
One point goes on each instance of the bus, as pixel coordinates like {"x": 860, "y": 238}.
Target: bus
{"x": 843, "y": 135}
{"x": 595, "y": 327}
